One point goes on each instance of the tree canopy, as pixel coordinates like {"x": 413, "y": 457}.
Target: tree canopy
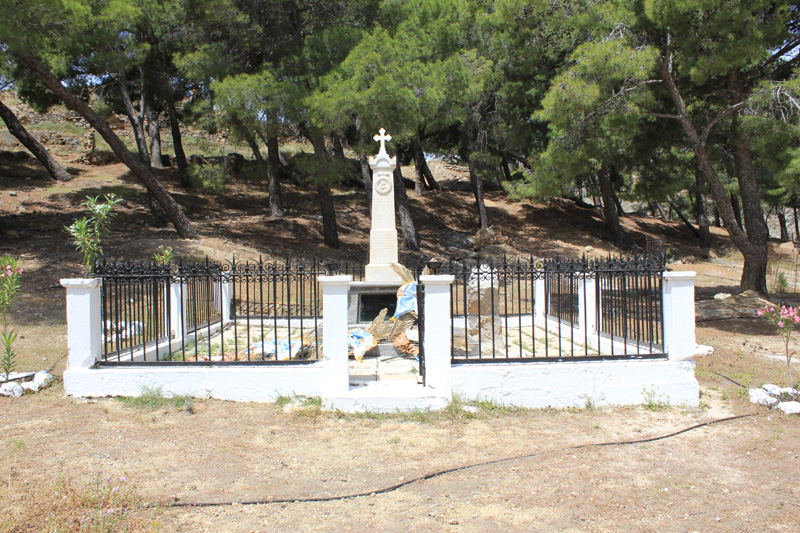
{"x": 687, "y": 104}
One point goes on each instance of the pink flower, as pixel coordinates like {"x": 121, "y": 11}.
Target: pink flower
{"x": 780, "y": 323}
{"x": 796, "y": 319}
{"x": 760, "y": 312}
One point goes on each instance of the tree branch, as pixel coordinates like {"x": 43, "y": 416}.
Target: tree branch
{"x": 707, "y": 130}
{"x": 602, "y": 108}
{"x": 665, "y": 115}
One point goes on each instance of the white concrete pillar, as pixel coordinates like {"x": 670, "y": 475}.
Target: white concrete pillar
{"x": 539, "y": 299}
{"x": 176, "y": 310}
{"x": 438, "y": 348}
{"x": 588, "y": 318}
{"x": 334, "y": 331}
{"x": 84, "y": 322}
{"x": 678, "y": 308}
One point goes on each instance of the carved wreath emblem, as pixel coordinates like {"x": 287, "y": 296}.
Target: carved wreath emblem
{"x": 383, "y": 185}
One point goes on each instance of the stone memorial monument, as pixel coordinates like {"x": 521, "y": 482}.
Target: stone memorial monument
{"x": 379, "y": 288}
{"x": 383, "y": 233}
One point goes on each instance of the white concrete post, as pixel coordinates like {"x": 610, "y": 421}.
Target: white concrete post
{"x": 678, "y": 308}
{"x": 176, "y": 310}
{"x": 334, "y": 331}
{"x": 84, "y": 322}
{"x": 587, "y": 305}
{"x": 437, "y": 340}
{"x": 539, "y": 299}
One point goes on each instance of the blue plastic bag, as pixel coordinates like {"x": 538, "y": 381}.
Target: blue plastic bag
{"x": 360, "y": 342}
{"x": 406, "y": 299}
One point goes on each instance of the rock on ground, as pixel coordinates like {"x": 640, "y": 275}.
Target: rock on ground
{"x": 762, "y": 397}
{"x": 790, "y": 408}
{"x": 14, "y": 390}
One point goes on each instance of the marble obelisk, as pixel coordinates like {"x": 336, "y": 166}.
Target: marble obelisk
{"x": 383, "y": 232}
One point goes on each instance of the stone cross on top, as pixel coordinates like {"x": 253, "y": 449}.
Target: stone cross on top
{"x": 382, "y": 137}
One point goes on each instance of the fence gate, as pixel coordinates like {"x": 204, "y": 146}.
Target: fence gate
{"x": 421, "y": 327}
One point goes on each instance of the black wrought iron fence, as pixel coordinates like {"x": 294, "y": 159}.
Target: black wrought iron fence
{"x": 556, "y": 309}
{"x": 134, "y": 303}
{"x": 229, "y": 312}
{"x": 630, "y": 299}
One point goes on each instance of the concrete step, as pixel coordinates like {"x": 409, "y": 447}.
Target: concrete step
{"x": 389, "y": 397}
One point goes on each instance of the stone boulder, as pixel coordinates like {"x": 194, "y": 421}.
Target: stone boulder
{"x": 12, "y": 389}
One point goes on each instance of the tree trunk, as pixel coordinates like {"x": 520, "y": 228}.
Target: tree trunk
{"x": 782, "y": 223}
{"x": 401, "y": 204}
{"x": 701, "y": 216}
{"x": 159, "y": 219}
{"x": 16, "y": 129}
{"x": 522, "y": 160}
{"x": 253, "y": 144}
{"x": 656, "y": 211}
{"x": 618, "y": 236}
{"x": 477, "y": 190}
{"x": 504, "y": 166}
{"x": 419, "y": 178}
{"x": 717, "y": 221}
{"x": 366, "y": 177}
{"x": 424, "y": 174}
{"x": 685, "y": 220}
{"x": 796, "y": 224}
{"x": 154, "y": 133}
{"x": 755, "y": 263}
{"x": 139, "y": 169}
{"x": 754, "y": 273}
{"x": 177, "y": 144}
{"x": 330, "y": 231}
{"x": 133, "y": 118}
{"x": 613, "y": 173}
{"x": 276, "y": 209}
{"x": 366, "y": 171}
{"x": 336, "y": 147}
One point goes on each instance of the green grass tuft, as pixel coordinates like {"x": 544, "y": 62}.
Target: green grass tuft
{"x": 152, "y": 399}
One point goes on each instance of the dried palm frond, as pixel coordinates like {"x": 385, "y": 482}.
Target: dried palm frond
{"x": 400, "y": 325}
{"x": 377, "y": 322}
{"x": 404, "y": 273}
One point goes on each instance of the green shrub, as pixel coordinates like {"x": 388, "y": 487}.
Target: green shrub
{"x": 213, "y": 178}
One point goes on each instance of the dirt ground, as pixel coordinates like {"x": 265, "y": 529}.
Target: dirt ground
{"x": 110, "y": 465}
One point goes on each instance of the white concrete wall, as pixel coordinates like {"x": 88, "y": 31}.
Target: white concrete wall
{"x": 535, "y": 384}
{"x": 258, "y": 383}
{"x": 234, "y": 383}
{"x": 560, "y": 385}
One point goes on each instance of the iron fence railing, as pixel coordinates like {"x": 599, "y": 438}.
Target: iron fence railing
{"x": 221, "y": 313}
{"x": 604, "y": 308}
{"x": 630, "y": 299}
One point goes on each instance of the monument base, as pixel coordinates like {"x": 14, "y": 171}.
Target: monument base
{"x": 381, "y": 273}
{"x": 366, "y": 300}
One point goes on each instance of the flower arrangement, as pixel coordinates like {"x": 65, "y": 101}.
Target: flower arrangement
{"x": 785, "y": 319}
